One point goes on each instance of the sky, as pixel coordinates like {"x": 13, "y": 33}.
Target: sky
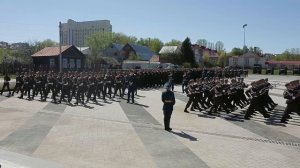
{"x": 273, "y": 25}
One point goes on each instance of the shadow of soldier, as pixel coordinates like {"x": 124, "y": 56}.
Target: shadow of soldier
{"x": 185, "y": 135}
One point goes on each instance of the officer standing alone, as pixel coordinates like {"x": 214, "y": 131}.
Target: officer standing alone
{"x": 168, "y": 99}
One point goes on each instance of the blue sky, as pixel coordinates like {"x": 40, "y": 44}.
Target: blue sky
{"x": 273, "y": 25}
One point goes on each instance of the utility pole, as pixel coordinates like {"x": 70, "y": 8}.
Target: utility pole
{"x": 60, "y": 56}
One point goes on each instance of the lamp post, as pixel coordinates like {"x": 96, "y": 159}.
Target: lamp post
{"x": 60, "y": 56}
{"x": 244, "y": 27}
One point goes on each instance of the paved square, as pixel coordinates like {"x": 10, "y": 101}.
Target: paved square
{"x": 116, "y": 134}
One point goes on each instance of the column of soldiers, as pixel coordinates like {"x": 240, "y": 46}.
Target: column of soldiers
{"x": 87, "y": 86}
{"x": 215, "y": 94}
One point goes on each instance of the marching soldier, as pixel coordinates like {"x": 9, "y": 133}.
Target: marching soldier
{"x": 19, "y": 84}
{"x": 6, "y": 85}
{"x": 118, "y": 85}
{"x": 65, "y": 90}
{"x": 91, "y": 89}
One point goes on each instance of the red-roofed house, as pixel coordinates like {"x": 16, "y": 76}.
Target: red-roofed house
{"x": 200, "y": 51}
{"x": 48, "y": 58}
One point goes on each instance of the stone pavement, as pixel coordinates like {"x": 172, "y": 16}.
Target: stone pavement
{"x": 117, "y": 134}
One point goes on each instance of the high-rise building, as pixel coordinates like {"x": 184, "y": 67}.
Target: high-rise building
{"x": 75, "y": 33}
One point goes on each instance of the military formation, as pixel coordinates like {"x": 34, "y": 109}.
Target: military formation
{"x": 216, "y": 94}
{"x": 84, "y": 87}
{"x": 212, "y": 90}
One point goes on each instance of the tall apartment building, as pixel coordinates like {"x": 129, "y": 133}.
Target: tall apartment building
{"x": 75, "y": 33}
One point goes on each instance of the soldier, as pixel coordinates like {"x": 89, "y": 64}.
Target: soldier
{"x": 65, "y": 90}
{"x": 171, "y": 80}
{"x": 190, "y": 91}
{"x": 292, "y": 94}
{"x": 99, "y": 89}
{"x": 38, "y": 86}
{"x": 168, "y": 99}
{"x": 125, "y": 81}
{"x": 50, "y": 86}
{"x": 6, "y": 84}
{"x": 91, "y": 89}
{"x": 19, "y": 84}
{"x": 256, "y": 102}
{"x": 107, "y": 86}
{"x": 218, "y": 100}
{"x": 26, "y": 86}
{"x": 118, "y": 85}
{"x": 80, "y": 90}
{"x": 73, "y": 87}
{"x": 131, "y": 87}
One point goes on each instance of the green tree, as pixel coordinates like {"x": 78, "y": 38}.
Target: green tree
{"x": 187, "y": 52}
{"x": 206, "y": 60}
{"x": 122, "y": 38}
{"x": 153, "y": 43}
{"x": 39, "y": 45}
{"x": 202, "y": 42}
{"x": 236, "y": 52}
{"x": 97, "y": 42}
{"x": 219, "y": 46}
{"x": 173, "y": 42}
{"x": 222, "y": 59}
{"x": 245, "y": 49}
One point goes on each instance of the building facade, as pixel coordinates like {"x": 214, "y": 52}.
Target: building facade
{"x": 201, "y": 51}
{"x": 75, "y": 33}
{"x": 48, "y": 58}
{"x": 247, "y": 60}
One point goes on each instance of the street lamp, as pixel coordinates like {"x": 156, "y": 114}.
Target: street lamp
{"x": 60, "y": 41}
{"x": 244, "y": 27}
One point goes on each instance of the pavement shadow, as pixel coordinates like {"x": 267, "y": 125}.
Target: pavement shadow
{"x": 143, "y": 105}
{"x": 206, "y": 116}
{"x": 99, "y": 104}
{"x": 238, "y": 117}
{"x": 185, "y": 135}
{"x": 71, "y": 105}
{"x": 87, "y": 106}
{"x": 107, "y": 102}
{"x": 140, "y": 96}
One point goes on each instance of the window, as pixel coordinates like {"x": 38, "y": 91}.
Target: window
{"x": 78, "y": 63}
{"x": 235, "y": 60}
{"x": 246, "y": 61}
{"x": 52, "y": 62}
{"x": 65, "y": 63}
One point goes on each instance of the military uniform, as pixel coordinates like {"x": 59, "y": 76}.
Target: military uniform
{"x": 168, "y": 99}
{"x": 6, "y": 84}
